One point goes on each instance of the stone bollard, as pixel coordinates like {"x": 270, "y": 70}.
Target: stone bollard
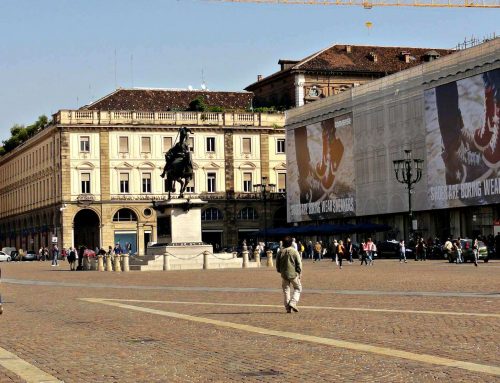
{"x": 166, "y": 262}
{"x": 269, "y": 258}
{"x": 235, "y": 254}
{"x": 100, "y": 263}
{"x": 256, "y": 255}
{"x": 126, "y": 267}
{"x": 109, "y": 266}
{"x": 245, "y": 258}
{"x": 117, "y": 266}
{"x": 206, "y": 254}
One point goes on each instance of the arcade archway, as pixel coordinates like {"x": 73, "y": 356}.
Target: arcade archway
{"x": 86, "y": 228}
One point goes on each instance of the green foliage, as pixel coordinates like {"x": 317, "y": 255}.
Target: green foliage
{"x": 265, "y": 109}
{"x": 20, "y": 134}
{"x": 215, "y": 109}
{"x": 198, "y": 105}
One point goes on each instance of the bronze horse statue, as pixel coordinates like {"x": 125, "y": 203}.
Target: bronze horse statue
{"x": 178, "y": 165}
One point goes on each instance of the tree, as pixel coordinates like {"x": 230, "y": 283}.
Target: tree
{"x": 20, "y": 134}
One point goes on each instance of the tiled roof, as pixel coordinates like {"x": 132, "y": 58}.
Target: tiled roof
{"x": 157, "y": 100}
{"x": 360, "y": 59}
{"x": 389, "y": 59}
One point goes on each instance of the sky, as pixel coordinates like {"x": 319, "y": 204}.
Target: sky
{"x": 64, "y": 54}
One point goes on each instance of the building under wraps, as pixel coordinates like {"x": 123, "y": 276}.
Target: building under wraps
{"x": 340, "y": 150}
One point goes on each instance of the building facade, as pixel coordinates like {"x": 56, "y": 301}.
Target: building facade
{"x": 341, "y": 150}
{"x": 334, "y": 70}
{"x": 90, "y": 177}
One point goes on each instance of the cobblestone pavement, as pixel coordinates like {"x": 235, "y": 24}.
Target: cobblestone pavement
{"x": 416, "y": 322}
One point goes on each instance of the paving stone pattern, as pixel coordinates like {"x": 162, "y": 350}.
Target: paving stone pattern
{"x": 78, "y": 341}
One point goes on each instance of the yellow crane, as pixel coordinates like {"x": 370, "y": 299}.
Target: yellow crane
{"x": 384, "y": 3}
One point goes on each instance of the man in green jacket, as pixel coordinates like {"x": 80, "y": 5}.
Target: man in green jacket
{"x": 289, "y": 265}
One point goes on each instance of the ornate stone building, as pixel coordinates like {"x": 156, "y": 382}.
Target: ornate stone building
{"x": 333, "y": 70}
{"x": 90, "y": 176}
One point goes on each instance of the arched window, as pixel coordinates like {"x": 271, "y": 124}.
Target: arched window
{"x": 247, "y": 213}
{"x": 211, "y": 214}
{"x": 124, "y": 215}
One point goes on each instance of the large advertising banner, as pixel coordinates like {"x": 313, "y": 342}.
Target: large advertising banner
{"x": 320, "y": 177}
{"x": 463, "y": 141}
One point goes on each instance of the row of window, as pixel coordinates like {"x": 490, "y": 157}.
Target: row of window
{"x": 30, "y": 160}
{"x": 209, "y": 214}
{"x": 146, "y": 183}
{"x": 214, "y": 214}
{"x": 167, "y": 144}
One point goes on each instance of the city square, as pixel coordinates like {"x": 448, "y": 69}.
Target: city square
{"x": 249, "y": 191}
{"x": 390, "y": 322}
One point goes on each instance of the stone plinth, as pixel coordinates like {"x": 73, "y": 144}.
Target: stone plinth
{"x": 179, "y": 220}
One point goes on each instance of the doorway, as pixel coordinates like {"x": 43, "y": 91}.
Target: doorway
{"x": 86, "y": 228}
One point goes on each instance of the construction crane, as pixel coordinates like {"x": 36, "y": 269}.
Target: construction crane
{"x": 368, "y": 4}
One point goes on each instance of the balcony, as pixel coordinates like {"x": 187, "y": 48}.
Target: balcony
{"x": 121, "y": 117}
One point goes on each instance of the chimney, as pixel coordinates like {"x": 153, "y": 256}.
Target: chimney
{"x": 406, "y": 56}
{"x": 373, "y": 56}
{"x": 259, "y": 77}
{"x": 348, "y": 48}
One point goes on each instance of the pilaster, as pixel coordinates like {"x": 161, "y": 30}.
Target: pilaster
{"x": 104, "y": 164}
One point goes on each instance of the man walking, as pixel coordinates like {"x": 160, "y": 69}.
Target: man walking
{"x": 289, "y": 265}
{"x": 55, "y": 255}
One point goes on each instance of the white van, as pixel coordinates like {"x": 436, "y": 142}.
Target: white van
{"x": 12, "y": 251}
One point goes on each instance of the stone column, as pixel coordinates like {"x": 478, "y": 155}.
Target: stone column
{"x": 117, "y": 266}
{"x": 256, "y": 255}
{"x": 206, "y": 253}
{"x": 100, "y": 263}
{"x": 269, "y": 258}
{"x": 245, "y": 258}
{"x": 109, "y": 266}
{"x": 166, "y": 262}
{"x": 126, "y": 267}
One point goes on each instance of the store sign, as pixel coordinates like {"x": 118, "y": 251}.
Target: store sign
{"x": 54, "y": 239}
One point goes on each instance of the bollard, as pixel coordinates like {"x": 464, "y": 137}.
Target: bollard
{"x": 166, "y": 262}
{"x": 117, "y": 266}
{"x": 245, "y": 258}
{"x": 256, "y": 255}
{"x": 126, "y": 267}
{"x": 109, "y": 266}
{"x": 206, "y": 253}
{"x": 100, "y": 263}
{"x": 235, "y": 254}
{"x": 269, "y": 258}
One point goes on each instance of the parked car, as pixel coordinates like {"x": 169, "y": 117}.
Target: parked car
{"x": 390, "y": 249}
{"x": 274, "y": 246}
{"x": 12, "y": 251}
{"x": 4, "y": 257}
{"x": 30, "y": 255}
{"x": 468, "y": 253}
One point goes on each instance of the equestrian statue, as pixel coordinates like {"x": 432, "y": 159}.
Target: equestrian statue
{"x": 178, "y": 164}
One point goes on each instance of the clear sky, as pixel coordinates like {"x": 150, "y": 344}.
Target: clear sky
{"x": 60, "y": 54}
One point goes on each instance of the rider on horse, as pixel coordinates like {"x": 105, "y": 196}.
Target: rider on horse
{"x": 178, "y": 163}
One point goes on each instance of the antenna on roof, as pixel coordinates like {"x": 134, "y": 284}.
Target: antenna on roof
{"x": 203, "y": 85}
{"x": 116, "y": 85}
{"x": 132, "y": 68}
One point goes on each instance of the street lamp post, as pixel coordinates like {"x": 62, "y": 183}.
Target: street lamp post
{"x": 409, "y": 172}
{"x": 264, "y": 189}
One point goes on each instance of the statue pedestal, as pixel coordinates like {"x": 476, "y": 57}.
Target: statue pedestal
{"x": 179, "y": 232}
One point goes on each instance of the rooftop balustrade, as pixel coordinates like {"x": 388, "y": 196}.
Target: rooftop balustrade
{"x": 122, "y": 117}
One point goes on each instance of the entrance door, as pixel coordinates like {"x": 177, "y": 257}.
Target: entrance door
{"x": 86, "y": 228}
{"x": 214, "y": 238}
